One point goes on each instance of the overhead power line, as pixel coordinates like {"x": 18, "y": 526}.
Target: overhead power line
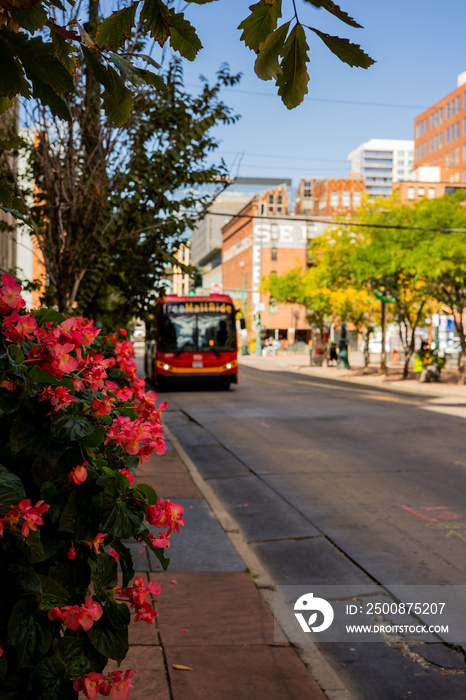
{"x": 337, "y": 223}
{"x": 320, "y": 99}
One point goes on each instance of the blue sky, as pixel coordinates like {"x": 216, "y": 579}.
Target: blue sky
{"x": 419, "y": 49}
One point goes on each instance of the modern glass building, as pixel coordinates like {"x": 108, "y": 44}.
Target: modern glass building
{"x": 382, "y": 162}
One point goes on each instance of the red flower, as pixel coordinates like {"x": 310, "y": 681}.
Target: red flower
{"x": 78, "y": 474}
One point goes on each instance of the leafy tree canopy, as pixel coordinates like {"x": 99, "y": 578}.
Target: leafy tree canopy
{"x": 39, "y": 50}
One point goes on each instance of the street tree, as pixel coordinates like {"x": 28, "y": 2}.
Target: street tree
{"x": 443, "y": 258}
{"x": 385, "y": 257}
{"x": 107, "y": 226}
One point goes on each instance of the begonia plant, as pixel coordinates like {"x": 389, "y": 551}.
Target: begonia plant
{"x": 75, "y": 421}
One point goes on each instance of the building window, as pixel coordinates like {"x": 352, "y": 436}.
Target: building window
{"x": 307, "y": 188}
{"x": 334, "y": 199}
{"x": 274, "y": 232}
{"x": 410, "y": 192}
{"x": 274, "y": 254}
{"x": 262, "y": 209}
{"x": 421, "y": 192}
{"x": 310, "y": 231}
{"x": 464, "y": 151}
{"x": 440, "y": 113}
{"x": 457, "y": 155}
{"x": 440, "y": 139}
{"x": 464, "y": 174}
{"x": 436, "y": 118}
{"x": 457, "y": 130}
{"x": 448, "y": 111}
{"x": 271, "y": 199}
{"x": 435, "y": 142}
{"x": 425, "y": 150}
{"x": 458, "y": 104}
{"x": 447, "y": 136}
{"x": 273, "y": 305}
{"x": 431, "y": 144}
{"x": 356, "y": 199}
{"x": 431, "y": 121}
{"x": 426, "y": 125}
{"x": 431, "y": 193}
{"x": 417, "y": 128}
{"x": 345, "y": 199}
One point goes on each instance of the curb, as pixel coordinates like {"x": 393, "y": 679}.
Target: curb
{"x": 324, "y": 675}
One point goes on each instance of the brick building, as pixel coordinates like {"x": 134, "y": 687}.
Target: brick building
{"x": 329, "y": 197}
{"x": 440, "y": 134}
{"x": 425, "y": 182}
{"x": 256, "y": 244}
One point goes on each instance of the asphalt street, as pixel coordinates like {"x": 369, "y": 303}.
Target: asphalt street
{"x": 340, "y": 484}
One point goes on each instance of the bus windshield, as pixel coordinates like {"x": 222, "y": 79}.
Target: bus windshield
{"x": 198, "y": 332}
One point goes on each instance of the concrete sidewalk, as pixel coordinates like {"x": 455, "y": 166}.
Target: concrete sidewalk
{"x": 393, "y": 381}
{"x": 214, "y": 637}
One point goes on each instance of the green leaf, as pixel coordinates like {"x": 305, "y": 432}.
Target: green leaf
{"x": 48, "y": 676}
{"x": 50, "y": 587}
{"x": 113, "y": 31}
{"x": 156, "y": 16}
{"x": 20, "y": 578}
{"x": 109, "y": 640}
{"x": 94, "y": 439}
{"x": 48, "y": 315}
{"x": 137, "y": 76}
{"x": 66, "y": 427}
{"x": 32, "y": 545}
{"x": 292, "y": 82}
{"x": 16, "y": 354}
{"x": 75, "y": 518}
{"x": 64, "y": 53}
{"x": 267, "y": 62}
{"x": 121, "y": 518}
{"x": 55, "y": 498}
{"x": 349, "y": 53}
{"x": 11, "y": 76}
{"x": 11, "y": 488}
{"x": 39, "y": 61}
{"x": 260, "y": 23}
{"x": 126, "y": 561}
{"x": 117, "y": 100}
{"x": 29, "y": 633}
{"x": 32, "y": 19}
{"x": 67, "y": 648}
{"x": 183, "y": 37}
{"x": 148, "y": 59}
{"x": 104, "y": 574}
{"x": 330, "y": 6}
{"x": 43, "y": 92}
{"x": 7, "y": 103}
{"x": 79, "y": 666}
{"x": 148, "y": 493}
{"x": 118, "y": 614}
{"x": 25, "y": 434}
{"x": 159, "y": 553}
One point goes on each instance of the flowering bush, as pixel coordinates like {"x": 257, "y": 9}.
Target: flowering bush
{"x": 74, "y": 424}
{"x": 425, "y": 357}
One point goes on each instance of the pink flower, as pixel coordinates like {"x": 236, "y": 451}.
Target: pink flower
{"x": 114, "y": 554}
{"x": 31, "y": 515}
{"x": 70, "y": 617}
{"x": 89, "y": 684}
{"x": 165, "y": 513}
{"x": 127, "y": 474}
{"x": 71, "y": 552}
{"x": 64, "y": 362}
{"x": 90, "y": 612}
{"x": 10, "y": 295}
{"x": 11, "y": 386}
{"x": 160, "y": 541}
{"x": 78, "y": 474}
{"x": 97, "y": 541}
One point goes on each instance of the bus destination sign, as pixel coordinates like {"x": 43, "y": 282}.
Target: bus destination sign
{"x": 202, "y": 307}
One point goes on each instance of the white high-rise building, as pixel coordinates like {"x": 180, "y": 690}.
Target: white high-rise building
{"x": 381, "y": 162}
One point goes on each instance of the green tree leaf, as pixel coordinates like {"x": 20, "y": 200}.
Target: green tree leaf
{"x": 114, "y": 30}
{"x": 117, "y": 100}
{"x": 349, "y": 53}
{"x": 183, "y": 37}
{"x": 25, "y": 434}
{"x": 118, "y": 614}
{"x": 147, "y": 492}
{"x": 66, "y": 427}
{"x": 12, "y": 79}
{"x": 64, "y": 53}
{"x": 267, "y": 63}
{"x": 293, "y": 80}
{"x": 32, "y": 19}
{"x": 121, "y": 518}
{"x": 335, "y": 10}
{"x": 260, "y": 23}
{"x": 156, "y": 16}
{"x": 94, "y": 439}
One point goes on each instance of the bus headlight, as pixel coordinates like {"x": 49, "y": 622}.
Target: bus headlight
{"x": 166, "y": 367}
{"x": 228, "y": 366}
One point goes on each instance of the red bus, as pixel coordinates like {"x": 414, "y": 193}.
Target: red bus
{"x": 193, "y": 337}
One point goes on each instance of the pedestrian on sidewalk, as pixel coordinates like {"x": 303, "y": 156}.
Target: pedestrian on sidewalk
{"x": 333, "y": 353}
